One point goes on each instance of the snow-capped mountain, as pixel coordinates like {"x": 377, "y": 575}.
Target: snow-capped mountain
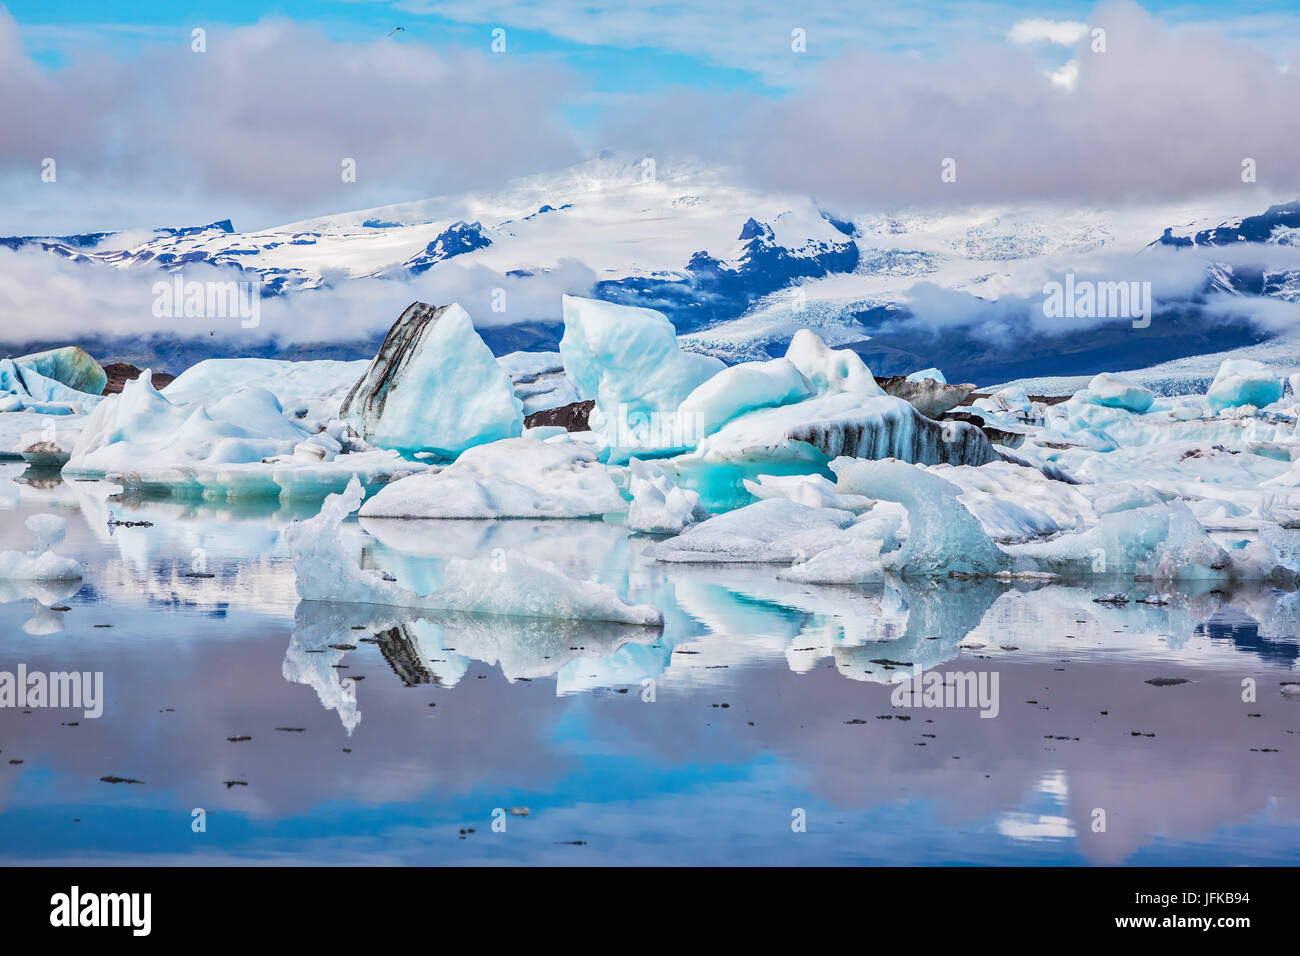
{"x": 738, "y": 270}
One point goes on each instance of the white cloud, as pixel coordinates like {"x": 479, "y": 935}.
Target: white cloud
{"x": 1060, "y": 32}
{"x": 269, "y": 113}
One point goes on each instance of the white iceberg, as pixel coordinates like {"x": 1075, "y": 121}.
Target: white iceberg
{"x": 627, "y": 360}
{"x": 511, "y": 478}
{"x": 743, "y": 388}
{"x": 434, "y": 387}
{"x": 775, "y": 531}
{"x": 943, "y": 535}
{"x": 1243, "y": 382}
{"x": 658, "y": 505}
{"x": 1117, "y": 391}
{"x": 815, "y": 491}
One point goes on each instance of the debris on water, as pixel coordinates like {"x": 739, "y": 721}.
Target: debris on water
{"x": 235, "y": 740}
{"x": 1166, "y": 681}
{"x": 1112, "y": 597}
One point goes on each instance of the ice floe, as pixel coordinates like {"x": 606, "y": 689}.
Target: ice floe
{"x": 511, "y": 478}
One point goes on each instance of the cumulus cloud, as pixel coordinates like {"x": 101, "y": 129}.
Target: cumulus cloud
{"x": 270, "y": 112}
{"x": 1165, "y": 112}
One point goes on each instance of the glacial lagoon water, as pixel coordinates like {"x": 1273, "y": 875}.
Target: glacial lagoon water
{"x": 757, "y": 728}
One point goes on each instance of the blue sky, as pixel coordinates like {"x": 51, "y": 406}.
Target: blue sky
{"x": 612, "y": 54}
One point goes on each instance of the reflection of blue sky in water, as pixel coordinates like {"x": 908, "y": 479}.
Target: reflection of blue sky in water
{"x": 551, "y": 716}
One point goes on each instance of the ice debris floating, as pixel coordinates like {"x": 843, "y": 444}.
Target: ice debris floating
{"x": 41, "y": 563}
{"x": 658, "y": 505}
{"x": 510, "y": 584}
{"x": 434, "y": 387}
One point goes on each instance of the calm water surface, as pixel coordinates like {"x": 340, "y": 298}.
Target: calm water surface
{"x": 756, "y": 728}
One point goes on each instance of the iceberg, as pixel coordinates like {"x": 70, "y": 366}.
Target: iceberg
{"x": 775, "y": 531}
{"x": 509, "y": 584}
{"x": 1116, "y": 391}
{"x": 1243, "y": 382}
{"x": 943, "y": 535}
{"x": 243, "y": 444}
{"x": 510, "y": 478}
{"x": 25, "y": 388}
{"x": 627, "y": 360}
{"x": 830, "y": 370}
{"x": 41, "y": 563}
{"x": 658, "y": 505}
{"x": 71, "y": 366}
{"x": 816, "y": 491}
{"x": 743, "y": 388}
{"x": 434, "y": 387}
{"x": 310, "y": 391}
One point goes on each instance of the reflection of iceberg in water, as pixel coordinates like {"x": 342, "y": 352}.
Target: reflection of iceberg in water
{"x": 310, "y": 660}
{"x": 44, "y": 595}
{"x": 908, "y": 622}
{"x": 424, "y": 647}
{"x": 939, "y": 615}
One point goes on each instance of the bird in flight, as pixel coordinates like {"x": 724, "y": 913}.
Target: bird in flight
{"x": 395, "y": 30}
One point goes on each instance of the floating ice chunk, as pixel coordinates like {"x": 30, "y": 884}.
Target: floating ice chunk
{"x": 830, "y": 370}
{"x": 1243, "y": 382}
{"x": 1010, "y": 401}
{"x": 1117, "y": 391}
{"x": 1015, "y": 503}
{"x": 510, "y": 584}
{"x": 434, "y": 386}
{"x": 928, "y": 373}
{"x": 628, "y": 360}
{"x": 815, "y": 491}
{"x": 658, "y": 505}
{"x": 855, "y": 562}
{"x": 775, "y": 531}
{"x": 511, "y": 478}
{"x": 743, "y": 388}
{"x": 943, "y": 535}
{"x": 70, "y": 365}
{"x": 1164, "y": 541}
{"x": 41, "y": 563}
{"x": 38, "y": 393}
{"x": 140, "y": 427}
